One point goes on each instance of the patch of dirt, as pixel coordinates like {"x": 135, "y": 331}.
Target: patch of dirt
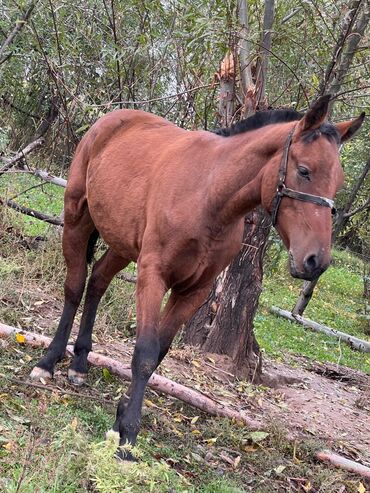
{"x": 328, "y": 402}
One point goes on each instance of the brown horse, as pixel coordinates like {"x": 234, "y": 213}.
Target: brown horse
{"x": 174, "y": 201}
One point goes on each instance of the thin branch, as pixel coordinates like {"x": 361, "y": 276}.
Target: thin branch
{"x": 148, "y": 101}
{"x": 359, "y": 209}
{"x": 32, "y": 213}
{"x": 292, "y": 14}
{"x": 17, "y": 28}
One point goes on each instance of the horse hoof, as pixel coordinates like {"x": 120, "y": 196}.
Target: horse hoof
{"x": 39, "y": 373}
{"x": 76, "y": 378}
{"x": 125, "y": 455}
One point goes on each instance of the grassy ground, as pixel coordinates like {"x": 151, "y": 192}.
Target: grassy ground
{"x": 51, "y": 442}
{"x": 337, "y": 302}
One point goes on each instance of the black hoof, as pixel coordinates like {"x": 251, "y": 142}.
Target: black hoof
{"x": 123, "y": 453}
{"x": 76, "y": 378}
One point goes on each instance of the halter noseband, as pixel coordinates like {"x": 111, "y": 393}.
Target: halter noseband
{"x": 282, "y": 190}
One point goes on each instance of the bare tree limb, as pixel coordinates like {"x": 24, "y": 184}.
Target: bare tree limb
{"x": 352, "y": 341}
{"x": 46, "y": 176}
{"x": 32, "y": 213}
{"x": 343, "y": 463}
{"x": 21, "y": 154}
{"x": 156, "y": 382}
{"x": 17, "y": 28}
{"x": 359, "y": 209}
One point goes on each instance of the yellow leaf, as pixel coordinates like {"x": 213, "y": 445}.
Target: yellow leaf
{"x": 236, "y": 462}
{"x": 20, "y": 338}
{"x": 194, "y": 420}
{"x": 10, "y": 446}
{"x": 195, "y": 432}
{"x": 211, "y": 441}
{"x": 307, "y": 487}
{"x": 149, "y": 403}
{"x": 177, "y": 420}
{"x": 196, "y": 364}
{"x": 74, "y": 424}
{"x": 361, "y": 488}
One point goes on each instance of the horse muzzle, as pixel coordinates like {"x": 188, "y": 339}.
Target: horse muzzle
{"x": 312, "y": 266}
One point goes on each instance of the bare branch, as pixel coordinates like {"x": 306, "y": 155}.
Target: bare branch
{"x": 17, "y": 28}
{"x": 31, "y": 212}
{"x": 10, "y": 162}
{"x": 359, "y": 209}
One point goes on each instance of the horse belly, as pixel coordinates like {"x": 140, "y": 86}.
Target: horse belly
{"x": 117, "y": 207}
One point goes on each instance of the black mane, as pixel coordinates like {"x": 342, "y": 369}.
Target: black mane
{"x": 260, "y": 119}
{"x": 263, "y": 118}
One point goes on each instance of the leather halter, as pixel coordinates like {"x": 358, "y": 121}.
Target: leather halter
{"x": 283, "y": 191}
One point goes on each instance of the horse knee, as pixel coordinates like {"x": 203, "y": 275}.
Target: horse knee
{"x": 73, "y": 293}
{"x": 146, "y": 354}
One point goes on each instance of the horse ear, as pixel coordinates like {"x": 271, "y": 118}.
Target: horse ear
{"x": 316, "y": 115}
{"x": 349, "y": 128}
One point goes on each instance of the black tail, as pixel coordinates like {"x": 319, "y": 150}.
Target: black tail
{"x": 91, "y": 246}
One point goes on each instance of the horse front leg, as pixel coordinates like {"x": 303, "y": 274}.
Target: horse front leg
{"x": 149, "y": 295}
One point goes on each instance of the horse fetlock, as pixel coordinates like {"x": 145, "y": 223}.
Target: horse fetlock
{"x": 40, "y": 374}
{"x": 76, "y": 378}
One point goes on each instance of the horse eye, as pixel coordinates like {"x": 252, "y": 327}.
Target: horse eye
{"x": 304, "y": 172}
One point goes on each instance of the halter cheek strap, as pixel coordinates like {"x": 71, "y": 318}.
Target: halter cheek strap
{"x": 283, "y": 191}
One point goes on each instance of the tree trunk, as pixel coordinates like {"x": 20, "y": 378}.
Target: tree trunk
{"x": 262, "y": 66}
{"x": 224, "y": 324}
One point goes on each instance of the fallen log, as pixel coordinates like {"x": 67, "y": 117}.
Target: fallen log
{"x": 343, "y": 463}
{"x": 352, "y": 341}
{"x": 57, "y": 221}
{"x": 156, "y": 382}
{"x": 9, "y": 163}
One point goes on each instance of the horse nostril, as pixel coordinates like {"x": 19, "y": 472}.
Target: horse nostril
{"x": 311, "y": 263}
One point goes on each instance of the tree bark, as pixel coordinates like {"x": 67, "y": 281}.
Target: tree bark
{"x": 262, "y": 66}
{"x": 224, "y": 324}
{"x": 247, "y": 87}
{"x": 226, "y": 76}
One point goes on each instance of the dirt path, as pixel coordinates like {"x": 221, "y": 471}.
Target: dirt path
{"x": 329, "y": 402}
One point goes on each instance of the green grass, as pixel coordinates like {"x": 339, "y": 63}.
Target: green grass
{"x": 46, "y": 198}
{"x": 337, "y": 302}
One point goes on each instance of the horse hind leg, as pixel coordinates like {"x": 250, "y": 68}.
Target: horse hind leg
{"x": 77, "y": 232}
{"x": 103, "y": 272}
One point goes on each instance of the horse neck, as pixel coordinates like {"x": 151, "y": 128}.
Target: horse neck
{"x": 244, "y": 156}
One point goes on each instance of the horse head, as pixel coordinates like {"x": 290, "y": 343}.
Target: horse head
{"x": 300, "y": 184}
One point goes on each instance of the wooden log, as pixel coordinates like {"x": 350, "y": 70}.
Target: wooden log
{"x": 156, "y": 382}
{"x": 343, "y": 463}
{"x": 352, "y": 341}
